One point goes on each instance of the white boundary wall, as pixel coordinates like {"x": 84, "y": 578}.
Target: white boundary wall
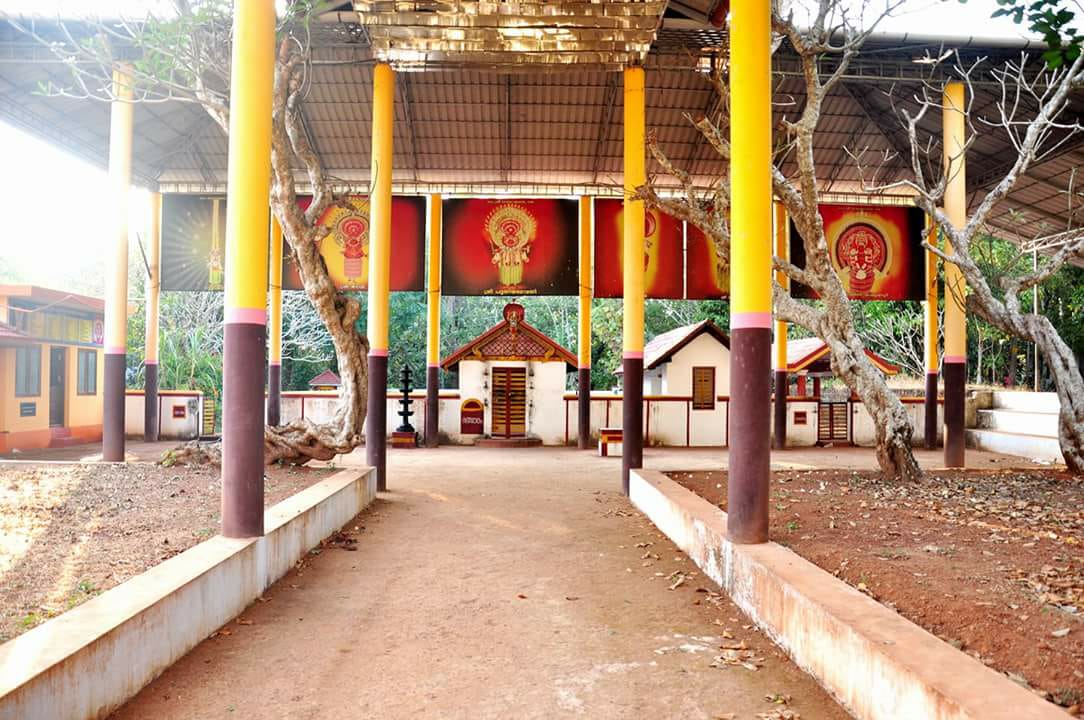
{"x": 184, "y": 427}
{"x": 553, "y": 416}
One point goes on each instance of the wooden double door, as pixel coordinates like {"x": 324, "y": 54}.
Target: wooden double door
{"x": 509, "y": 402}
{"x": 833, "y": 422}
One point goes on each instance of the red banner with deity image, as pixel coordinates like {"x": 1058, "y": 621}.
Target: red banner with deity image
{"x": 345, "y": 248}
{"x": 707, "y": 274}
{"x": 510, "y": 246}
{"x": 875, "y": 249}
{"x": 663, "y": 252}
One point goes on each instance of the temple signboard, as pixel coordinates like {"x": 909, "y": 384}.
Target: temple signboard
{"x": 471, "y": 417}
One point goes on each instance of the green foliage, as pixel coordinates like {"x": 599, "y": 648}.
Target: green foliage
{"x": 1052, "y": 19}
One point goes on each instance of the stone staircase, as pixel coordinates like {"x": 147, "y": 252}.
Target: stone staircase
{"x": 1019, "y": 423}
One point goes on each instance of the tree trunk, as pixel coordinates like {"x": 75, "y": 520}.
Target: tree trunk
{"x": 1012, "y": 365}
{"x": 1060, "y": 363}
{"x": 1070, "y": 388}
{"x": 850, "y": 363}
{"x": 303, "y": 440}
{"x": 978, "y": 362}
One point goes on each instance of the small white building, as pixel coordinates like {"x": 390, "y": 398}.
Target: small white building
{"x": 687, "y": 386}
{"x": 512, "y": 383}
{"x": 689, "y": 360}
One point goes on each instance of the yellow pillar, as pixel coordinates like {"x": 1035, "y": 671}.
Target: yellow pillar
{"x": 782, "y": 382}
{"x": 583, "y": 433}
{"x": 432, "y": 378}
{"x": 150, "y": 345}
{"x": 248, "y": 185}
{"x": 751, "y": 271}
{"x": 380, "y": 269}
{"x": 633, "y": 276}
{"x": 955, "y": 360}
{"x": 274, "y": 345}
{"x": 116, "y": 270}
{"x": 930, "y": 326}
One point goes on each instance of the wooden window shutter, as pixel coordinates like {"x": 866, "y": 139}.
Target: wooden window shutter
{"x": 703, "y": 388}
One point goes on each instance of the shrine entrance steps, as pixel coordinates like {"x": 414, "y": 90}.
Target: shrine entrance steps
{"x": 512, "y": 442}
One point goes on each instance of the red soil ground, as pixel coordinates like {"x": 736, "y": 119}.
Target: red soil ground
{"x": 990, "y": 561}
{"x": 71, "y": 531}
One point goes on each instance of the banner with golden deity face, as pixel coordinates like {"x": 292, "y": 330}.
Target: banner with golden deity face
{"x": 193, "y": 242}
{"x": 875, "y": 249}
{"x": 663, "y": 252}
{"x": 707, "y": 273}
{"x": 509, "y": 246}
{"x": 345, "y": 248}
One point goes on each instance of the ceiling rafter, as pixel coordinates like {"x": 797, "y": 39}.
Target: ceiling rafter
{"x": 406, "y": 93}
{"x": 996, "y": 172}
{"x": 602, "y": 137}
{"x": 506, "y": 140}
{"x": 877, "y": 118}
{"x": 188, "y": 137}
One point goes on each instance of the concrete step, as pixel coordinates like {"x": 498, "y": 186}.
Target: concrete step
{"x": 1026, "y": 401}
{"x": 1019, "y": 421}
{"x": 1032, "y": 447}
{"x": 63, "y": 442}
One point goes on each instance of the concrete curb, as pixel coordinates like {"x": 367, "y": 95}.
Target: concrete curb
{"x": 90, "y": 660}
{"x": 877, "y": 664}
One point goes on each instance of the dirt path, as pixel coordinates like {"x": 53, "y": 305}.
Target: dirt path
{"x": 488, "y": 584}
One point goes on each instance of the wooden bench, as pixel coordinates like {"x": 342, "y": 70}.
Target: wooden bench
{"x": 606, "y": 436}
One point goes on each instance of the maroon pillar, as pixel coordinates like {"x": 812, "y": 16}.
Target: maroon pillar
{"x": 779, "y": 441}
{"x": 583, "y": 426}
{"x": 955, "y": 375}
{"x": 113, "y": 409}
{"x": 376, "y": 421}
{"x": 632, "y": 418}
{"x": 150, "y": 402}
{"x": 930, "y": 439}
{"x": 432, "y": 406}
{"x": 243, "y": 424}
{"x": 274, "y": 394}
{"x": 750, "y": 454}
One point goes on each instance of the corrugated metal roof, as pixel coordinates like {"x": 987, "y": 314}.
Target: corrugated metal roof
{"x": 558, "y": 130}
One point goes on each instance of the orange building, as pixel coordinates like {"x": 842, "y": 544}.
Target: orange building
{"x": 50, "y": 368}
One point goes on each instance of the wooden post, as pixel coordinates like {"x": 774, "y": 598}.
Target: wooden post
{"x": 116, "y": 270}
{"x": 782, "y": 382}
{"x": 751, "y": 263}
{"x": 150, "y": 344}
{"x": 632, "y": 411}
{"x": 432, "y": 335}
{"x": 932, "y": 360}
{"x": 274, "y": 346}
{"x": 583, "y": 434}
{"x": 376, "y": 424}
{"x": 955, "y": 361}
{"x": 249, "y": 182}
